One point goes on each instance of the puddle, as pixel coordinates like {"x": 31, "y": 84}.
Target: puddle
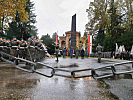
{"x": 68, "y": 66}
{"x": 21, "y": 83}
{"x": 122, "y": 76}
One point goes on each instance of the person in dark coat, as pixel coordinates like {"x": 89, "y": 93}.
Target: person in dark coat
{"x": 57, "y": 51}
{"x": 87, "y": 53}
{"x": 77, "y": 52}
{"x": 64, "y": 52}
{"x": 82, "y": 54}
{"x": 71, "y": 52}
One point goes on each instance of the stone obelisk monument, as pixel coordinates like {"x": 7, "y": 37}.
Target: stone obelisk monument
{"x": 73, "y": 32}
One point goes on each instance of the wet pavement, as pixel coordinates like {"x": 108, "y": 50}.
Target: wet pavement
{"x": 19, "y": 85}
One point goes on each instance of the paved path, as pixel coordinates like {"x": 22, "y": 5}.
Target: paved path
{"x": 19, "y": 85}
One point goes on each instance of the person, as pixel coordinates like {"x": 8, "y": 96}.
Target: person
{"x": 39, "y": 50}
{"x": 31, "y": 48}
{"x": 82, "y": 53}
{"x": 87, "y": 53}
{"x": 127, "y": 55}
{"x": 64, "y": 52}
{"x": 57, "y": 51}
{"x": 4, "y": 49}
{"x": 77, "y": 52}
{"x": 14, "y": 47}
{"x": 99, "y": 52}
{"x": 31, "y": 40}
{"x": 1, "y": 45}
{"x": 8, "y": 46}
{"x": 22, "y": 49}
{"x": 71, "y": 52}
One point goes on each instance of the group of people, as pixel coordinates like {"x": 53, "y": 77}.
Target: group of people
{"x": 126, "y": 55}
{"x": 71, "y": 52}
{"x": 33, "y": 49}
{"x": 122, "y": 53}
{"x": 75, "y": 53}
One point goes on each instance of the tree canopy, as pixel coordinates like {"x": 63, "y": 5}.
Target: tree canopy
{"x": 49, "y": 42}
{"x": 109, "y": 21}
{"x": 21, "y": 28}
{"x": 8, "y": 10}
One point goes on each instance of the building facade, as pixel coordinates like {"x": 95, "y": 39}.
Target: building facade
{"x": 64, "y": 41}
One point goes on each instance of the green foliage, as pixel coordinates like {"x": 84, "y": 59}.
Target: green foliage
{"x": 100, "y": 37}
{"x": 8, "y": 9}
{"x": 126, "y": 40}
{"x": 48, "y": 41}
{"x": 97, "y": 16}
{"x": 54, "y": 36}
{"x": 22, "y": 30}
{"x": 109, "y": 22}
{"x": 109, "y": 44}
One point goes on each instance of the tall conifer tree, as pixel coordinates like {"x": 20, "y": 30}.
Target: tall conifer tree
{"x": 22, "y": 30}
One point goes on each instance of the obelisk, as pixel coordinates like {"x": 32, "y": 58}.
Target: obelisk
{"x": 73, "y": 32}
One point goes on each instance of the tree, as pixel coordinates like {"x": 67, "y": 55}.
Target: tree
{"x": 54, "y": 36}
{"x": 48, "y": 41}
{"x": 100, "y": 37}
{"x": 109, "y": 44}
{"x": 109, "y": 20}
{"x": 86, "y": 39}
{"x": 30, "y": 27}
{"x": 8, "y": 10}
{"x": 126, "y": 40}
{"x": 97, "y": 16}
{"x": 129, "y": 14}
{"x": 115, "y": 29}
{"x": 22, "y": 30}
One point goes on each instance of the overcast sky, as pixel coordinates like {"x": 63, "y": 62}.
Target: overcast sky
{"x": 56, "y": 15}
